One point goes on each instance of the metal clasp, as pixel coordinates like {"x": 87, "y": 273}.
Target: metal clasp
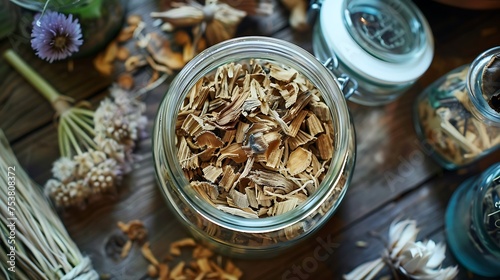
{"x": 348, "y": 85}
{"x": 313, "y": 11}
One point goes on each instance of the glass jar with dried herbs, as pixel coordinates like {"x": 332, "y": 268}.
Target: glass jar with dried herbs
{"x": 473, "y": 223}
{"x": 253, "y": 146}
{"x": 458, "y": 116}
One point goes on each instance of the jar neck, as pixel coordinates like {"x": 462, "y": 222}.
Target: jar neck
{"x": 475, "y": 81}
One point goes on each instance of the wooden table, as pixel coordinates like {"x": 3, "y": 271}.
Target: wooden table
{"x": 393, "y": 178}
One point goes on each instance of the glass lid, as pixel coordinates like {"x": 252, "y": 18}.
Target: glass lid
{"x": 391, "y": 30}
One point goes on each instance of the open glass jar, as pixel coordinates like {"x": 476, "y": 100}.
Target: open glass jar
{"x": 452, "y": 116}
{"x": 232, "y": 234}
{"x": 473, "y": 223}
{"x": 377, "y": 49}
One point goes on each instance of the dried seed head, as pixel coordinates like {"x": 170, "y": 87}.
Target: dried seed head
{"x": 63, "y": 168}
{"x": 103, "y": 177}
{"x": 66, "y": 195}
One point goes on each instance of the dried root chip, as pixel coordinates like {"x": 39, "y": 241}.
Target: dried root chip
{"x": 126, "y": 34}
{"x": 148, "y": 254}
{"x": 122, "y": 53}
{"x": 125, "y": 81}
{"x": 175, "y": 247}
{"x": 152, "y": 271}
{"x": 134, "y": 20}
{"x": 134, "y": 62}
{"x": 298, "y": 161}
{"x": 126, "y": 249}
{"x": 135, "y": 230}
{"x": 163, "y": 271}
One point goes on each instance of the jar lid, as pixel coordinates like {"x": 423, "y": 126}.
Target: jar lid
{"x": 388, "y": 41}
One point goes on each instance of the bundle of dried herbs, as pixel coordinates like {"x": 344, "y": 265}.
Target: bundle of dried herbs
{"x": 96, "y": 146}
{"x": 254, "y": 138}
{"x": 35, "y": 244}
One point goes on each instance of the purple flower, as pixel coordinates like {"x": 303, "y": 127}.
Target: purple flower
{"x": 55, "y": 36}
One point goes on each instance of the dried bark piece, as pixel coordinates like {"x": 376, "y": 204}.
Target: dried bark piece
{"x": 175, "y": 247}
{"x": 125, "y": 81}
{"x": 314, "y": 125}
{"x": 163, "y": 271}
{"x": 208, "y": 139}
{"x": 126, "y": 249}
{"x": 134, "y": 20}
{"x": 122, "y": 53}
{"x": 237, "y": 212}
{"x": 202, "y": 252}
{"x": 272, "y": 179}
{"x": 298, "y": 161}
{"x": 134, "y": 62}
{"x": 229, "y": 177}
{"x": 321, "y": 110}
{"x": 325, "y": 146}
{"x": 282, "y": 207}
{"x": 152, "y": 271}
{"x": 177, "y": 271}
{"x": 205, "y": 189}
{"x": 234, "y": 152}
{"x": 134, "y": 230}
{"x": 161, "y": 51}
{"x": 148, "y": 254}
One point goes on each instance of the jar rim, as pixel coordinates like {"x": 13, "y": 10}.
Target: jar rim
{"x": 270, "y": 49}
{"x": 354, "y": 56}
{"x": 482, "y": 111}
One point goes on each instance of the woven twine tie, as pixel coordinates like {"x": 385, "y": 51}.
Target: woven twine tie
{"x": 83, "y": 271}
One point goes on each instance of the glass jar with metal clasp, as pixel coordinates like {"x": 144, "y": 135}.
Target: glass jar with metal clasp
{"x": 376, "y": 48}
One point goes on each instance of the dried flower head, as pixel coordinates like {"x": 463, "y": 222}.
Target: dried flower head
{"x": 415, "y": 259}
{"x": 55, "y": 36}
{"x": 63, "y": 168}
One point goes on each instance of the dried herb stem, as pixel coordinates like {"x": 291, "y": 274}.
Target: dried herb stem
{"x": 47, "y": 91}
{"x": 43, "y": 248}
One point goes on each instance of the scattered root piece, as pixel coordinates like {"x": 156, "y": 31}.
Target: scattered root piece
{"x": 148, "y": 254}
{"x": 125, "y": 81}
{"x": 135, "y": 230}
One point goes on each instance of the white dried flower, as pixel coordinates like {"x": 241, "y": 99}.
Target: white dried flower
{"x": 63, "y": 168}
{"x": 417, "y": 260}
{"x": 120, "y": 119}
{"x": 85, "y": 161}
{"x": 112, "y": 148}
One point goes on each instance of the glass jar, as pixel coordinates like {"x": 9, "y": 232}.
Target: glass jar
{"x": 473, "y": 223}
{"x": 231, "y": 234}
{"x": 453, "y": 118}
{"x": 378, "y": 49}
{"x": 100, "y": 20}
